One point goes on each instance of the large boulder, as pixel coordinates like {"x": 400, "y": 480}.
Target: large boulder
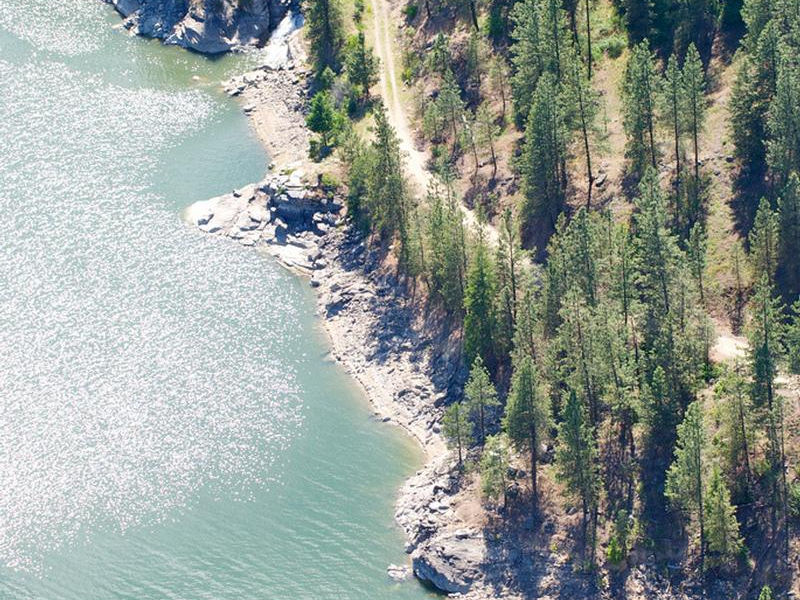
{"x": 207, "y": 26}
{"x": 450, "y": 562}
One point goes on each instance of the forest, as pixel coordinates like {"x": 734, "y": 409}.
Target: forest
{"x": 588, "y": 250}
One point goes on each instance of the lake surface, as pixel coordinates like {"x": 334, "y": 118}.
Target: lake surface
{"x": 170, "y": 426}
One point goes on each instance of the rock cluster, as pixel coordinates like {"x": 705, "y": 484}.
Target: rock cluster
{"x": 444, "y": 553}
{"x": 275, "y": 98}
{"x": 207, "y": 26}
{"x": 406, "y": 374}
{"x": 281, "y": 214}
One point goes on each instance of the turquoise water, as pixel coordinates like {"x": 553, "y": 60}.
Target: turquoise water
{"x": 170, "y": 426}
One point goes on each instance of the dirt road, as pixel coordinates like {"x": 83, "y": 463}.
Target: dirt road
{"x": 416, "y": 160}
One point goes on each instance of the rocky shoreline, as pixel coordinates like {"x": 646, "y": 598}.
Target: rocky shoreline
{"x": 404, "y": 361}
{"x": 374, "y": 334}
{"x": 373, "y": 329}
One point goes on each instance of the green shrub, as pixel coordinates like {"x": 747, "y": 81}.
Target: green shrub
{"x": 612, "y": 45}
{"x": 411, "y": 10}
{"x": 329, "y": 183}
{"x": 615, "y": 552}
{"x": 315, "y": 148}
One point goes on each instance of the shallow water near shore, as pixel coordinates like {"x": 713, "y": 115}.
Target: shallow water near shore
{"x": 170, "y": 426}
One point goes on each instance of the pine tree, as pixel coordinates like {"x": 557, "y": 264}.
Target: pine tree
{"x": 469, "y": 137}
{"x": 445, "y": 244}
{"x": 694, "y": 21}
{"x": 438, "y": 60}
{"x": 540, "y": 38}
{"x": 672, "y": 115}
{"x": 669, "y": 321}
{"x": 476, "y": 63}
{"x": 639, "y": 90}
{"x": 527, "y": 415}
{"x": 358, "y": 159}
{"x": 322, "y": 116}
{"x": 722, "y": 531}
{"x": 764, "y": 242}
{"x": 783, "y": 120}
{"x": 754, "y": 87}
{"x": 527, "y": 323}
{"x": 737, "y": 427}
{"x": 509, "y": 253}
{"x": 694, "y": 88}
{"x": 696, "y": 253}
{"x": 493, "y": 468}
{"x": 361, "y": 65}
{"x": 456, "y": 429}
{"x": 765, "y": 335}
{"x": 481, "y": 397}
{"x": 473, "y": 12}
{"x": 451, "y": 107}
{"x": 584, "y": 100}
{"x": 789, "y": 221}
{"x": 542, "y": 165}
{"x": 498, "y": 83}
{"x": 479, "y": 302}
{"x": 684, "y": 486}
{"x": 487, "y": 132}
{"x": 576, "y": 463}
{"x": 580, "y": 365}
{"x": 387, "y": 191}
{"x": 589, "y": 54}
{"x": 325, "y": 32}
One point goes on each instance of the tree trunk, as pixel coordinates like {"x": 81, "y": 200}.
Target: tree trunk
{"x": 650, "y": 127}
{"x": 677, "y": 147}
{"x": 699, "y": 475}
{"x": 588, "y": 42}
{"x": 480, "y": 417}
{"x": 474, "y": 14}
{"x": 695, "y": 134}
{"x": 585, "y": 132}
{"x": 474, "y": 152}
{"x": 494, "y": 157}
{"x": 534, "y": 460}
{"x": 556, "y": 41}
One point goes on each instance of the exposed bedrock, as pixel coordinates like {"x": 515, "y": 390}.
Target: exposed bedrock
{"x": 207, "y": 26}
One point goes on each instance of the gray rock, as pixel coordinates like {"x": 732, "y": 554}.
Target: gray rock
{"x": 206, "y": 26}
{"x": 281, "y": 229}
{"x": 450, "y": 564}
{"x": 398, "y": 572}
{"x": 205, "y": 219}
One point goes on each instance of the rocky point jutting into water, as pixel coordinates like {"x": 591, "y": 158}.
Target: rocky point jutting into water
{"x": 207, "y": 26}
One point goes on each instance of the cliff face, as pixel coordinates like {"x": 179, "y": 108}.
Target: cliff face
{"x": 207, "y": 26}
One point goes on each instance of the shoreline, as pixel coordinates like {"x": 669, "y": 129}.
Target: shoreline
{"x": 397, "y": 354}
{"x": 373, "y": 331}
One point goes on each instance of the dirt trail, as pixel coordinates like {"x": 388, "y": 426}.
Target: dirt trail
{"x": 390, "y": 91}
{"x": 384, "y": 45}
